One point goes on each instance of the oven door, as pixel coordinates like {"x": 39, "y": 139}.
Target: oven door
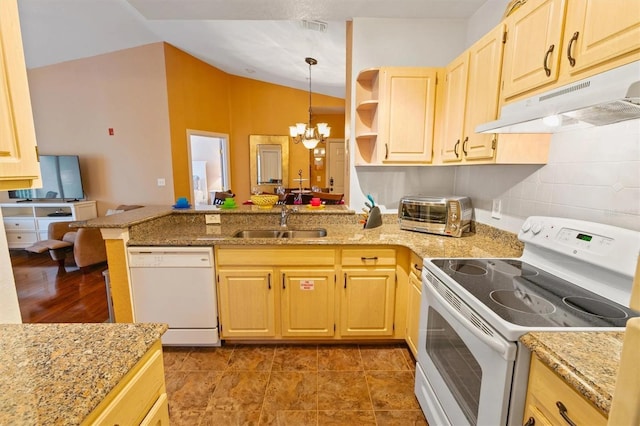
{"x": 465, "y": 365}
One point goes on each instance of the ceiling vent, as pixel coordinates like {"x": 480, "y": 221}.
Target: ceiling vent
{"x": 319, "y": 26}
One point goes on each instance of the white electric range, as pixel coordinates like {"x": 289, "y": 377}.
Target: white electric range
{"x": 572, "y": 276}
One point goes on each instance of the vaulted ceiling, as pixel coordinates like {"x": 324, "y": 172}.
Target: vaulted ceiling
{"x": 266, "y": 40}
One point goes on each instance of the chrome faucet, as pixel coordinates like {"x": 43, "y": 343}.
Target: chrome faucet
{"x": 284, "y": 214}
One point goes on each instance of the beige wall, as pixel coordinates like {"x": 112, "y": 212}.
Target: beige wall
{"x": 76, "y": 102}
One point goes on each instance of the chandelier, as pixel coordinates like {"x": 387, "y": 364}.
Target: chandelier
{"x": 305, "y": 133}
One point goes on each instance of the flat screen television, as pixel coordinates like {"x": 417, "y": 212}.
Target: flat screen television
{"x": 61, "y": 180}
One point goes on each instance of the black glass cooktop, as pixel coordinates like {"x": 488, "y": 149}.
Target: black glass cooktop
{"x": 527, "y": 296}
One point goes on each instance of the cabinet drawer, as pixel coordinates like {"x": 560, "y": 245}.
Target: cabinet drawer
{"x": 275, "y": 256}
{"x": 546, "y": 389}
{"x": 369, "y": 257}
{"x": 136, "y": 394}
{"x": 27, "y": 238}
{"x": 19, "y": 224}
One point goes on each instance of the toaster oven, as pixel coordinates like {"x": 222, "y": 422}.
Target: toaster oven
{"x": 443, "y": 215}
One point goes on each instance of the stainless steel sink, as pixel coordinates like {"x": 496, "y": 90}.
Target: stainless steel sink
{"x": 281, "y": 233}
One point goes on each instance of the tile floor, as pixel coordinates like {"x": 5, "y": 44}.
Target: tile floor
{"x": 292, "y": 385}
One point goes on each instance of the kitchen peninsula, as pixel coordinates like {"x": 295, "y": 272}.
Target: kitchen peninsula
{"x": 163, "y": 226}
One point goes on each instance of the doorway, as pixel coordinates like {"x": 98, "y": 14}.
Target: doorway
{"x": 335, "y": 165}
{"x": 208, "y": 164}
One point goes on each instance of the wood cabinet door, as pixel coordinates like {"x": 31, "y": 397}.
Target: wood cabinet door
{"x": 19, "y": 165}
{"x": 247, "y": 302}
{"x": 455, "y": 97}
{"x": 598, "y": 31}
{"x": 406, "y": 114}
{"x": 483, "y": 94}
{"x": 367, "y": 302}
{"x": 413, "y": 312}
{"x": 307, "y": 301}
{"x": 546, "y": 389}
{"x": 533, "y": 47}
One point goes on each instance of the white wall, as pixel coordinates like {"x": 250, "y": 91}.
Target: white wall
{"x": 592, "y": 174}
{"x": 485, "y": 19}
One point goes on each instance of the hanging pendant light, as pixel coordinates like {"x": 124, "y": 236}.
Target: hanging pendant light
{"x": 305, "y": 133}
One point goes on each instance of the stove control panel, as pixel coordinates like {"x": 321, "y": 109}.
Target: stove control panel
{"x": 609, "y": 246}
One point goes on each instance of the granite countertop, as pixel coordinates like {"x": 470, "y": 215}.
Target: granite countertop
{"x": 162, "y": 226}
{"x": 587, "y": 361}
{"x": 58, "y": 373}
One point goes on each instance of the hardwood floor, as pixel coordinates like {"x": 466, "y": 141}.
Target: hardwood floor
{"x": 46, "y": 296}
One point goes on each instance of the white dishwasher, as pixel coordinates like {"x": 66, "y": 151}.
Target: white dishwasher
{"x": 176, "y": 286}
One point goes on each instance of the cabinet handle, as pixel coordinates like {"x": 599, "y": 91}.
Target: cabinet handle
{"x": 563, "y": 412}
{"x": 514, "y": 6}
{"x": 386, "y": 151}
{"x": 530, "y": 422}
{"x": 547, "y": 70}
{"x": 345, "y": 280}
{"x": 364, "y": 259}
{"x": 269, "y": 281}
{"x": 464, "y": 145}
{"x": 284, "y": 286}
{"x": 415, "y": 266}
{"x": 572, "y": 60}
{"x": 455, "y": 148}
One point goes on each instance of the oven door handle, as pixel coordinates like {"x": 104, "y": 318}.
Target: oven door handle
{"x": 505, "y": 349}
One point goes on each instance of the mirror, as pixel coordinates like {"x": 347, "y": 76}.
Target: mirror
{"x": 269, "y": 165}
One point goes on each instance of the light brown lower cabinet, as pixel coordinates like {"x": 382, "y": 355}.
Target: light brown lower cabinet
{"x": 323, "y": 293}
{"x": 307, "y": 302}
{"x": 139, "y": 399}
{"x": 551, "y": 401}
{"x": 413, "y": 303}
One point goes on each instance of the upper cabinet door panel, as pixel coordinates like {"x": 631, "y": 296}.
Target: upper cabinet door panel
{"x": 18, "y": 155}
{"x": 597, "y": 31}
{"x": 533, "y": 50}
{"x": 483, "y": 94}
{"x": 409, "y": 110}
{"x": 455, "y": 89}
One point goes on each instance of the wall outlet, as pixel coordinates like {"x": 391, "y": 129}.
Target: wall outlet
{"x": 496, "y": 209}
{"x": 211, "y": 219}
{"x": 161, "y": 182}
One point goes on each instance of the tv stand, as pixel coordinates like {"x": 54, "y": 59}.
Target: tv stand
{"x": 28, "y": 223}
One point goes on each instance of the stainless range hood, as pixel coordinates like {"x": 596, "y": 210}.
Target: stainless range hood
{"x": 606, "y": 98}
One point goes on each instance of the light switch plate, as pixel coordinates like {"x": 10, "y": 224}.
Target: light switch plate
{"x": 211, "y": 219}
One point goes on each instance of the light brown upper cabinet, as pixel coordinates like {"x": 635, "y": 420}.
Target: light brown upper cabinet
{"x": 471, "y": 97}
{"x": 598, "y": 33}
{"x": 395, "y": 113}
{"x": 554, "y": 42}
{"x": 533, "y": 48}
{"x": 19, "y": 166}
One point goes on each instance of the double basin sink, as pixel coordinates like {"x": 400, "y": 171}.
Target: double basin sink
{"x": 281, "y": 233}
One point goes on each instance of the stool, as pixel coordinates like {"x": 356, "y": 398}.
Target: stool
{"x": 57, "y": 249}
